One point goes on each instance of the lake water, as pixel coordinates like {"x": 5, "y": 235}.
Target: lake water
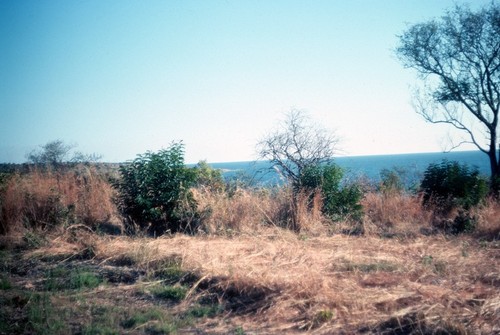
{"x": 412, "y": 165}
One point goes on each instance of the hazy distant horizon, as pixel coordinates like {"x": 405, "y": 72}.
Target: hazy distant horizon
{"x": 263, "y": 160}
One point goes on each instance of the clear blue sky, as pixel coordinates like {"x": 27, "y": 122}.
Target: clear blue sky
{"x": 122, "y": 77}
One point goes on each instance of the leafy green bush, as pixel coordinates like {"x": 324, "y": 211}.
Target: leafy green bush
{"x": 340, "y": 201}
{"x": 398, "y": 179}
{"x": 448, "y": 185}
{"x": 391, "y": 181}
{"x": 154, "y": 192}
{"x": 207, "y": 176}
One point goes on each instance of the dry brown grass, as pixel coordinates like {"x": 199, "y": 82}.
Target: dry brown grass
{"x": 250, "y": 210}
{"x": 395, "y": 214}
{"x": 274, "y": 264}
{"x": 276, "y": 282}
{"x": 488, "y": 217}
{"x": 46, "y": 199}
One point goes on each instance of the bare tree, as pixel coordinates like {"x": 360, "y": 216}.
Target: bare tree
{"x": 458, "y": 58}
{"x": 55, "y": 153}
{"x": 52, "y": 153}
{"x": 297, "y": 144}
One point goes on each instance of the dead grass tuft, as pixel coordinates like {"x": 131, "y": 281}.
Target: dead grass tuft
{"x": 395, "y": 214}
{"x": 48, "y": 199}
{"x": 249, "y": 211}
{"x": 488, "y": 220}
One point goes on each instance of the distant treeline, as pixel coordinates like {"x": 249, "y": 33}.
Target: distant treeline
{"x": 26, "y": 167}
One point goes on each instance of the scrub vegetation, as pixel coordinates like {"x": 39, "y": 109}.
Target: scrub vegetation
{"x": 156, "y": 247}
{"x": 213, "y": 257}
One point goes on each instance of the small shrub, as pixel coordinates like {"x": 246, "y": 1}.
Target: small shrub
{"x": 340, "y": 201}
{"x": 399, "y": 180}
{"x": 449, "y": 185}
{"x": 391, "y": 181}
{"x": 154, "y": 192}
{"x": 34, "y": 240}
{"x": 463, "y": 222}
{"x": 207, "y": 176}
{"x": 239, "y": 331}
{"x": 437, "y": 266}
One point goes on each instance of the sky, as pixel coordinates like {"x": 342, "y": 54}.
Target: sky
{"x": 119, "y": 77}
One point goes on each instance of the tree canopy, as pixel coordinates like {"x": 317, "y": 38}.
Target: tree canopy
{"x": 458, "y": 58}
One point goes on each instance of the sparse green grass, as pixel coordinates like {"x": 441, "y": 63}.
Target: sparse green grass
{"x": 436, "y": 265}
{"x": 321, "y": 317}
{"x": 61, "y": 278}
{"x": 34, "y": 240}
{"x": 170, "y": 271}
{"x": 99, "y": 330}
{"x": 83, "y": 280}
{"x": 379, "y": 266}
{"x": 141, "y": 317}
{"x": 151, "y": 320}
{"x": 44, "y": 317}
{"x": 239, "y": 331}
{"x": 104, "y": 319}
{"x": 168, "y": 292}
{"x": 203, "y": 311}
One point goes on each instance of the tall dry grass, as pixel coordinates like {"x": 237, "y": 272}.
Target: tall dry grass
{"x": 44, "y": 199}
{"x": 401, "y": 214}
{"x": 390, "y": 214}
{"x": 488, "y": 219}
{"x": 247, "y": 210}
{"x": 395, "y": 213}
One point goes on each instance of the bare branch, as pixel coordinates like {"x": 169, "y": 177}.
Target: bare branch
{"x": 296, "y": 144}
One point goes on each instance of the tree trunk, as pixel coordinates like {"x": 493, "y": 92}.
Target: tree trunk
{"x": 495, "y": 170}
